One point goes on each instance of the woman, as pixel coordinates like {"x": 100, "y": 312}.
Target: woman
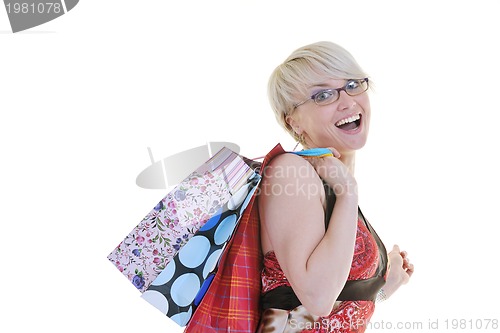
{"x": 324, "y": 266}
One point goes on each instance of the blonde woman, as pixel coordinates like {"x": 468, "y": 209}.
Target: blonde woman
{"x": 324, "y": 265}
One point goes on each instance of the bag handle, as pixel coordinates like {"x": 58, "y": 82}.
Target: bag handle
{"x": 313, "y": 152}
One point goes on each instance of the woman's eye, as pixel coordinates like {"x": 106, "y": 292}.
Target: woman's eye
{"x": 323, "y": 95}
{"x": 353, "y": 85}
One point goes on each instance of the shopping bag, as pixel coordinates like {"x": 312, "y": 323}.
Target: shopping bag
{"x": 232, "y": 301}
{"x": 178, "y": 289}
{"x": 148, "y": 249}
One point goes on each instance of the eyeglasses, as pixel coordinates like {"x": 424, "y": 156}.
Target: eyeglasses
{"x": 328, "y": 96}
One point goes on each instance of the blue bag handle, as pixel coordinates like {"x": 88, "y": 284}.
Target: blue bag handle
{"x": 314, "y": 152}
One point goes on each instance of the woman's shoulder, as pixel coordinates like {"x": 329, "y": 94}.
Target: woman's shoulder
{"x": 289, "y": 162}
{"x": 291, "y": 170}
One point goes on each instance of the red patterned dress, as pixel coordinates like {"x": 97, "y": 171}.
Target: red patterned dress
{"x": 355, "y": 305}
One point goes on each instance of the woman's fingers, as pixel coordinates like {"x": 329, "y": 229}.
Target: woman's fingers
{"x": 405, "y": 260}
{"x": 410, "y": 270}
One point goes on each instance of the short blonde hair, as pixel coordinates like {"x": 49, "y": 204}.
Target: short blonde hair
{"x": 306, "y": 66}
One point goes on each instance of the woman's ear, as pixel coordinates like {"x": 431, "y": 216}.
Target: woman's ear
{"x": 293, "y": 124}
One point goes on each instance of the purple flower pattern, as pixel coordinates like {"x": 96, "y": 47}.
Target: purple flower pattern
{"x": 150, "y": 246}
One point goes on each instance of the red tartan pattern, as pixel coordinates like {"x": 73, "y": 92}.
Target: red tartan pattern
{"x": 232, "y": 302}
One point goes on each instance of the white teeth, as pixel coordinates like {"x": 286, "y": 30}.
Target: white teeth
{"x": 347, "y": 120}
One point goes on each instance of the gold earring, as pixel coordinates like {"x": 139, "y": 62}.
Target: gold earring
{"x": 300, "y": 140}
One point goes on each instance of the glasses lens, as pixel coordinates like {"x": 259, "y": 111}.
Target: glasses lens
{"x": 326, "y": 97}
{"x": 356, "y": 87}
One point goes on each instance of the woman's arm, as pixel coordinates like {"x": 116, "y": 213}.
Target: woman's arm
{"x": 291, "y": 205}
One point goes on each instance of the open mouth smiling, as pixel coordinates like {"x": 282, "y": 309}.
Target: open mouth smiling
{"x": 350, "y": 123}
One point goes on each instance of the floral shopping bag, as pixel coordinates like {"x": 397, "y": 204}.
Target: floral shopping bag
{"x": 179, "y": 288}
{"x": 148, "y": 249}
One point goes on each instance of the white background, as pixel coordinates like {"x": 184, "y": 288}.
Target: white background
{"x": 83, "y": 96}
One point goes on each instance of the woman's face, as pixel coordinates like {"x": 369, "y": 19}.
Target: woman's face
{"x": 342, "y": 124}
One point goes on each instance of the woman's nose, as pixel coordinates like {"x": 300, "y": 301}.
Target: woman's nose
{"x": 346, "y": 102}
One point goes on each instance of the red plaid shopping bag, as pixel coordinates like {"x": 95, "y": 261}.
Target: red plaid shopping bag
{"x": 232, "y": 302}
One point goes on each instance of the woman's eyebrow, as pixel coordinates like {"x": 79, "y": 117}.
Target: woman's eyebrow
{"x": 317, "y": 87}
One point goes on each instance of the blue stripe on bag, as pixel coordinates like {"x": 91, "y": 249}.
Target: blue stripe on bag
{"x": 314, "y": 152}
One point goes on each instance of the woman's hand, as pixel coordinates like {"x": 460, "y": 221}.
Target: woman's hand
{"x": 334, "y": 172}
{"x": 400, "y": 270}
